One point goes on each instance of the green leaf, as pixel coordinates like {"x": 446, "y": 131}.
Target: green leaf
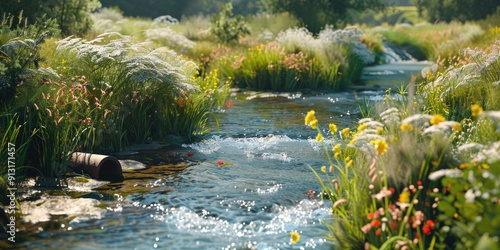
{"x": 446, "y": 207}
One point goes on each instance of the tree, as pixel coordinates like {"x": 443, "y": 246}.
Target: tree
{"x": 72, "y": 15}
{"x": 459, "y": 10}
{"x": 314, "y": 15}
{"x": 228, "y": 27}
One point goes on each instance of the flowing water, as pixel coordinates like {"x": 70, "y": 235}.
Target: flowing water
{"x": 252, "y": 201}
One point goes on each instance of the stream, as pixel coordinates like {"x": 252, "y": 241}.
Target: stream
{"x": 246, "y": 186}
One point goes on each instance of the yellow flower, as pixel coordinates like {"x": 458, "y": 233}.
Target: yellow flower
{"x": 336, "y": 155}
{"x": 362, "y": 127}
{"x": 314, "y": 124}
{"x": 380, "y": 146}
{"x": 456, "y": 127}
{"x": 348, "y": 163}
{"x": 476, "y": 110}
{"x": 310, "y": 117}
{"x": 333, "y": 128}
{"x": 380, "y": 130}
{"x": 295, "y": 237}
{"x": 345, "y": 132}
{"x": 436, "y": 119}
{"x": 406, "y": 127}
{"x": 404, "y": 197}
{"x": 319, "y": 137}
{"x": 323, "y": 169}
{"x": 337, "y": 148}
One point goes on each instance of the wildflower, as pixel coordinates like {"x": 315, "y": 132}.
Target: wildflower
{"x": 314, "y": 124}
{"x": 378, "y": 232}
{"x": 345, "y": 132}
{"x": 426, "y": 230}
{"x": 476, "y": 110}
{"x": 295, "y": 237}
{"x": 190, "y": 153}
{"x": 337, "y": 149}
{"x": 436, "y": 119}
{"x": 406, "y": 127}
{"x": 404, "y": 197}
{"x": 362, "y": 127}
{"x": 220, "y": 162}
{"x": 323, "y": 169}
{"x": 383, "y": 193}
{"x": 456, "y": 127}
{"x": 380, "y": 130}
{"x": 333, "y": 128}
{"x": 310, "y": 117}
{"x": 349, "y": 163}
{"x": 453, "y": 173}
{"x": 376, "y": 223}
{"x": 380, "y": 146}
{"x": 370, "y": 216}
{"x": 366, "y": 228}
{"x": 319, "y": 137}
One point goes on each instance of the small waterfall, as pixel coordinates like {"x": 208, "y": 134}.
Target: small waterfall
{"x": 394, "y": 53}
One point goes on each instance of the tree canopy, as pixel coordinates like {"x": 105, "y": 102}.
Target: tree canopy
{"x": 71, "y": 15}
{"x": 458, "y": 10}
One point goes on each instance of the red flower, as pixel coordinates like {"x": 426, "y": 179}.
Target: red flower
{"x": 376, "y": 223}
{"x": 220, "y": 162}
{"x": 419, "y": 183}
{"x": 430, "y": 224}
{"x": 392, "y": 190}
{"x": 427, "y": 230}
{"x": 370, "y": 216}
{"x": 229, "y": 103}
{"x": 190, "y": 153}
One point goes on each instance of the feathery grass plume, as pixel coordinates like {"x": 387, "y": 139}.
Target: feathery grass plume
{"x": 165, "y": 36}
{"x": 350, "y": 36}
{"x": 474, "y": 81}
{"x": 146, "y": 82}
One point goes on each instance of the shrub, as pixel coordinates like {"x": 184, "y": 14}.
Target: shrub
{"x": 227, "y": 27}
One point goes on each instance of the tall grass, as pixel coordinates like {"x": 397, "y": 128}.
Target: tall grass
{"x": 475, "y": 80}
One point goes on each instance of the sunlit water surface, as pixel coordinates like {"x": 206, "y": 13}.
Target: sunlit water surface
{"x": 253, "y": 201}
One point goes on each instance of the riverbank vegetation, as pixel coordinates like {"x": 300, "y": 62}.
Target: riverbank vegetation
{"x": 126, "y": 80}
{"x": 422, "y": 171}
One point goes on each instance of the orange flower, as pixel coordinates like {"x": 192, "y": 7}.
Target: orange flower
{"x": 376, "y": 223}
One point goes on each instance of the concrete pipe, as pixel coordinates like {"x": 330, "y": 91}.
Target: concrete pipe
{"x": 102, "y": 167}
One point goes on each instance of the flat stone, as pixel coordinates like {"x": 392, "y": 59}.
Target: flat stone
{"x": 132, "y": 165}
